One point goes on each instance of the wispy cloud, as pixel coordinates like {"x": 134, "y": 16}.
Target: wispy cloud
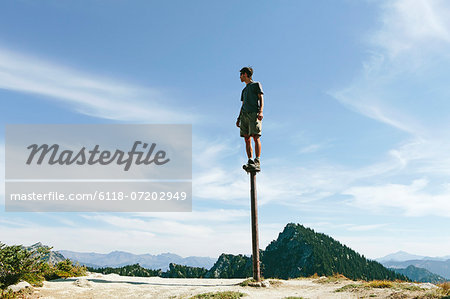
{"x": 406, "y": 24}
{"x": 87, "y": 93}
{"x": 412, "y": 198}
{"x": 210, "y": 215}
{"x": 367, "y": 227}
{"x": 404, "y": 84}
{"x": 311, "y": 148}
{"x": 403, "y": 75}
{"x": 284, "y": 184}
{"x": 109, "y": 232}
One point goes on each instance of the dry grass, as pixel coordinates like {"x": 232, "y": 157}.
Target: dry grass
{"x": 275, "y": 282}
{"x": 336, "y": 278}
{"x": 22, "y": 294}
{"x": 248, "y": 282}
{"x": 381, "y": 284}
{"x": 443, "y": 291}
{"x": 219, "y": 295}
{"x": 445, "y": 286}
{"x": 350, "y": 287}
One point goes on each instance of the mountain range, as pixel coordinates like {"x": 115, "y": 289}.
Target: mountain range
{"x": 122, "y": 258}
{"x": 298, "y": 251}
{"x": 401, "y": 260}
{"x": 420, "y": 274}
{"x": 402, "y": 256}
{"x": 441, "y": 268}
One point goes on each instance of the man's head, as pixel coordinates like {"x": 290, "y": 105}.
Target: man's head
{"x": 246, "y": 73}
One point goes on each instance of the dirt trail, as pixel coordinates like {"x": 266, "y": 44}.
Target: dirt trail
{"x": 114, "y": 286}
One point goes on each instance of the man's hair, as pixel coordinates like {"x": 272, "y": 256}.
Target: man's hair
{"x": 247, "y": 70}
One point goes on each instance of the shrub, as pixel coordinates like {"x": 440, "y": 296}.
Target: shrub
{"x": 17, "y": 263}
{"x": 63, "y": 269}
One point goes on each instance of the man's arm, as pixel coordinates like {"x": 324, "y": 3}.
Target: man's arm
{"x": 239, "y": 118}
{"x": 261, "y": 107}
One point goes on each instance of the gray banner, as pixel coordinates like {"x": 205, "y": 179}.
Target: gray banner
{"x": 99, "y": 151}
{"x": 98, "y": 168}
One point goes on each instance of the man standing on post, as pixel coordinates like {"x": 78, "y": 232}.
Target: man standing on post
{"x": 250, "y": 117}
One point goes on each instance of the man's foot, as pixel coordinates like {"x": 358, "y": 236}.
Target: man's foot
{"x": 249, "y": 166}
{"x": 257, "y": 164}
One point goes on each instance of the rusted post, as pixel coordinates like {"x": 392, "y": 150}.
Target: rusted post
{"x": 255, "y": 238}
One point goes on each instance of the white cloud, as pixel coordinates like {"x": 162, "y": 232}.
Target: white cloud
{"x": 286, "y": 185}
{"x": 365, "y": 227}
{"x": 205, "y": 233}
{"x": 127, "y": 234}
{"x": 408, "y": 23}
{"x": 212, "y": 215}
{"x": 411, "y": 199}
{"x": 87, "y": 93}
{"x": 310, "y": 148}
{"x": 155, "y": 226}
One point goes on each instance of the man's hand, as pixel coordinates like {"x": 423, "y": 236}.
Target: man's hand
{"x": 237, "y": 122}
{"x": 260, "y": 115}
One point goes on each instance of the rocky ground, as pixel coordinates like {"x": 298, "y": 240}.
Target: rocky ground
{"x": 97, "y": 285}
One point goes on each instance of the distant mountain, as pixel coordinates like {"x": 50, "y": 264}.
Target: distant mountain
{"x": 299, "y": 251}
{"x": 52, "y": 257}
{"x": 174, "y": 271}
{"x": 399, "y": 256}
{"x": 121, "y": 258}
{"x": 441, "y": 268}
{"x": 420, "y": 274}
{"x": 402, "y": 256}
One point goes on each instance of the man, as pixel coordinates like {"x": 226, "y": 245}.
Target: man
{"x": 250, "y": 117}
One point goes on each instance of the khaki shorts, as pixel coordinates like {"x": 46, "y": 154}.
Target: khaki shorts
{"x": 250, "y": 124}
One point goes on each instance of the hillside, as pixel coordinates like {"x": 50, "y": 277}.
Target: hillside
{"x": 441, "y": 268}
{"x": 300, "y": 252}
{"x": 420, "y": 274}
{"x": 231, "y": 266}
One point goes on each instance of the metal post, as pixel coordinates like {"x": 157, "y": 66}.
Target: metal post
{"x": 255, "y": 239}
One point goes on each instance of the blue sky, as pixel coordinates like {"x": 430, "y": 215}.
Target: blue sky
{"x": 355, "y": 130}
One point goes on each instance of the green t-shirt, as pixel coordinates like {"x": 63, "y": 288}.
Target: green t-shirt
{"x": 249, "y": 97}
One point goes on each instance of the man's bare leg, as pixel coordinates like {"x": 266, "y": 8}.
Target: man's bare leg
{"x": 257, "y": 146}
{"x": 248, "y": 146}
